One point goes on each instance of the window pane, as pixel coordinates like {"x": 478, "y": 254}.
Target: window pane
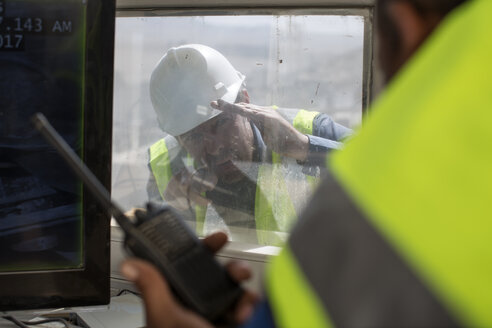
{"x": 292, "y": 62}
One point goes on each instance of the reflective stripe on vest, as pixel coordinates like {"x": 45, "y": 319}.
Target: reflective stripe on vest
{"x": 272, "y": 198}
{"x": 160, "y": 164}
{"x": 274, "y": 209}
{"x": 162, "y": 154}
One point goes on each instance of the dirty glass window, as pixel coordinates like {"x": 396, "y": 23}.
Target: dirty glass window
{"x": 224, "y": 174}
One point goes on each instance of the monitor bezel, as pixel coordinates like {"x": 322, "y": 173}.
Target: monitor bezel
{"x": 91, "y": 284}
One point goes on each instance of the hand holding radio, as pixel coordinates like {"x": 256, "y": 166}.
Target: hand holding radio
{"x": 163, "y": 310}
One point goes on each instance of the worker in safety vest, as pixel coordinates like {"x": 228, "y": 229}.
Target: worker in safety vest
{"x": 399, "y": 233}
{"x": 231, "y": 166}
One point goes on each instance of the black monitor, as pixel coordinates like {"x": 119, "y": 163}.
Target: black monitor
{"x": 56, "y": 57}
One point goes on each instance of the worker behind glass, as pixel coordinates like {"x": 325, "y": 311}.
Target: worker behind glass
{"x": 228, "y": 164}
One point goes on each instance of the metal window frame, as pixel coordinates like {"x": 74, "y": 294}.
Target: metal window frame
{"x": 370, "y": 79}
{"x": 152, "y": 4}
{"x": 365, "y": 8}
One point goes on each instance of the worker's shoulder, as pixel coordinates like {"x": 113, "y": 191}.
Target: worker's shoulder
{"x": 167, "y": 144}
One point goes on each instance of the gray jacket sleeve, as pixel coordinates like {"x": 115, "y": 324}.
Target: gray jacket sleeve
{"x": 327, "y": 135}
{"x": 325, "y": 127}
{"x": 152, "y": 189}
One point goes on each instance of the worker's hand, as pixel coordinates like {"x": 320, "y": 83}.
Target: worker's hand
{"x": 278, "y": 134}
{"x": 185, "y": 189}
{"x": 132, "y": 213}
{"x": 163, "y": 310}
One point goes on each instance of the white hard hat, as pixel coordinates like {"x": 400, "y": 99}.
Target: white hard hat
{"x": 185, "y": 81}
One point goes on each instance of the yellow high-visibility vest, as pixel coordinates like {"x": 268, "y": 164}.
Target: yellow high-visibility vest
{"x": 407, "y": 240}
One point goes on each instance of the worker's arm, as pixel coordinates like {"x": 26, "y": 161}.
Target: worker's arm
{"x": 327, "y": 136}
{"x": 318, "y": 149}
{"x": 278, "y": 134}
{"x": 325, "y": 127}
{"x": 163, "y": 310}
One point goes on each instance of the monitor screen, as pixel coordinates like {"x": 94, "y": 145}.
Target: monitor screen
{"x": 56, "y": 58}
